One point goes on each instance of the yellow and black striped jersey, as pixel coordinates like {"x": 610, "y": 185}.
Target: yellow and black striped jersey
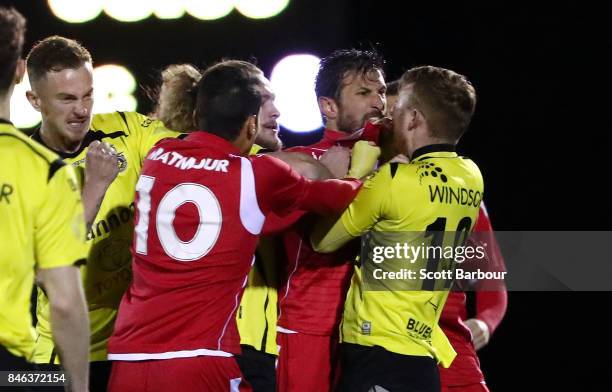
{"x": 437, "y": 192}
{"x": 108, "y": 270}
{"x": 258, "y": 312}
{"x": 257, "y": 315}
{"x": 41, "y": 226}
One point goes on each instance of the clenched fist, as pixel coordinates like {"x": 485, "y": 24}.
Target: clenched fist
{"x": 363, "y": 158}
{"x": 101, "y": 164}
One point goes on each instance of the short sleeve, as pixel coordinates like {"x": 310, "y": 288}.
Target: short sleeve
{"x": 59, "y": 224}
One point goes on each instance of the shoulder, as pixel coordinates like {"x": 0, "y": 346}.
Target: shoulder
{"x": 128, "y": 122}
{"x": 25, "y": 149}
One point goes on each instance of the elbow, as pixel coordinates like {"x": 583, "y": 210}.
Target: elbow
{"x": 61, "y": 308}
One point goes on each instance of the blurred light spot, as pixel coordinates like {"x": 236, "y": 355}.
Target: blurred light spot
{"x": 208, "y": 9}
{"x": 260, "y": 9}
{"x": 76, "y": 11}
{"x": 293, "y": 82}
{"x": 164, "y": 9}
{"x": 114, "y": 86}
{"x": 128, "y": 10}
{"x": 23, "y": 114}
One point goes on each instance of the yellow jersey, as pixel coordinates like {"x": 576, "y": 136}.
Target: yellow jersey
{"x": 41, "y": 226}
{"x": 108, "y": 270}
{"x": 258, "y": 313}
{"x": 426, "y": 202}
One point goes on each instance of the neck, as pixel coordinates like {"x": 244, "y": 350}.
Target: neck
{"x": 55, "y": 142}
{"x": 419, "y": 142}
{"x": 5, "y": 106}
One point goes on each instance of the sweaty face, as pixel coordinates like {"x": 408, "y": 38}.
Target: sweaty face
{"x": 66, "y": 99}
{"x": 362, "y": 97}
{"x": 267, "y": 134}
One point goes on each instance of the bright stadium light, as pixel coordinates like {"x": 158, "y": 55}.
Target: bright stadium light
{"x": 114, "y": 86}
{"x": 23, "y": 114}
{"x": 76, "y": 11}
{"x": 260, "y": 9}
{"x": 293, "y": 82}
{"x": 164, "y": 9}
{"x": 128, "y": 11}
{"x": 208, "y": 9}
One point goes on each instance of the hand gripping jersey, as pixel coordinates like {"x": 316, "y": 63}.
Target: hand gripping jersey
{"x": 200, "y": 209}
{"x": 311, "y": 295}
{"x": 424, "y": 196}
{"x": 108, "y": 271}
{"x": 41, "y": 226}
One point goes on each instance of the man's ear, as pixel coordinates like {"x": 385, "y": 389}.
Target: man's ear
{"x": 328, "y": 107}
{"x": 33, "y": 99}
{"x": 251, "y": 124}
{"x": 414, "y": 119}
{"x": 249, "y": 128}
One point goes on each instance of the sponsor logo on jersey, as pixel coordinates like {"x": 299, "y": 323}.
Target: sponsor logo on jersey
{"x": 458, "y": 195}
{"x": 366, "y": 327}
{"x": 418, "y": 329}
{"x": 115, "y": 218}
{"x": 429, "y": 169}
{"x": 122, "y": 162}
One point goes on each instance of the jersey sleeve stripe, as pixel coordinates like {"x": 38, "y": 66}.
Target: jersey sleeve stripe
{"x": 54, "y": 167}
{"x": 27, "y": 144}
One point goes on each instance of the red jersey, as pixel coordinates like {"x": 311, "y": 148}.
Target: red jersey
{"x": 491, "y": 306}
{"x": 200, "y": 210}
{"x": 312, "y": 295}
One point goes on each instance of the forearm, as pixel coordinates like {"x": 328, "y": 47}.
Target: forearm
{"x": 69, "y": 321}
{"x": 92, "y": 195}
{"x": 329, "y": 197}
{"x": 71, "y": 334}
{"x": 304, "y": 164}
{"x": 329, "y": 234}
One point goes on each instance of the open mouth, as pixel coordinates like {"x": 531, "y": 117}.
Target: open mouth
{"x": 77, "y": 124}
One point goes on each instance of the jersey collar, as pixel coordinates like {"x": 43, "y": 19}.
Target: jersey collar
{"x": 419, "y": 152}
{"x": 3, "y": 121}
{"x": 211, "y": 140}
{"x": 90, "y": 136}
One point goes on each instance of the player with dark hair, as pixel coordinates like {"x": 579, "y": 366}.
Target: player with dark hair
{"x": 107, "y": 151}
{"x": 389, "y": 334}
{"x": 42, "y": 230}
{"x": 201, "y": 206}
{"x": 350, "y": 89}
{"x": 257, "y": 313}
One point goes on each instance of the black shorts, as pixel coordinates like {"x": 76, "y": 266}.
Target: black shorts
{"x": 258, "y": 368}
{"x": 374, "y": 369}
{"x": 10, "y": 362}
{"x": 99, "y": 374}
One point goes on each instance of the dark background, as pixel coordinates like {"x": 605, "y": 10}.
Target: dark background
{"x": 540, "y": 133}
